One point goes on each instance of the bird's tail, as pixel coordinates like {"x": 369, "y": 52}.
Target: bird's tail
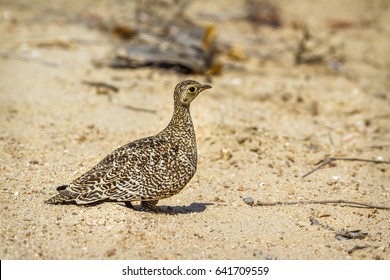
{"x": 58, "y": 199}
{"x": 64, "y": 196}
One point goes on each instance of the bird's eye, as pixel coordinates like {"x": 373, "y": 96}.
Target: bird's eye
{"x": 192, "y": 89}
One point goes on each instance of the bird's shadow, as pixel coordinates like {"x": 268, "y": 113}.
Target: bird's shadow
{"x": 195, "y": 207}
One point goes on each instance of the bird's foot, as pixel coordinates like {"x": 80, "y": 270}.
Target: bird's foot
{"x": 150, "y": 205}
{"x": 129, "y": 205}
{"x": 145, "y": 205}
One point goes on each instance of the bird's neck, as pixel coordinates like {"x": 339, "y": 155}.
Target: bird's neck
{"x": 181, "y": 131}
{"x": 181, "y": 123}
{"x": 181, "y": 117}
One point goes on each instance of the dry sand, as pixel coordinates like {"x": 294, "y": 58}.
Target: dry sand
{"x": 263, "y": 125}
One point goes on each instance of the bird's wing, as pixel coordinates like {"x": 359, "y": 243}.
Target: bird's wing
{"x": 126, "y": 167}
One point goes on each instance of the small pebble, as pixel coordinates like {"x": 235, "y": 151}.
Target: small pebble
{"x": 226, "y": 154}
{"x": 336, "y": 66}
{"x": 313, "y": 147}
{"x": 241, "y": 139}
{"x": 111, "y": 252}
{"x": 249, "y": 201}
{"x": 257, "y": 253}
{"x": 314, "y": 221}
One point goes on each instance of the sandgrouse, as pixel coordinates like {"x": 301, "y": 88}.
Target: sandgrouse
{"x": 146, "y": 169}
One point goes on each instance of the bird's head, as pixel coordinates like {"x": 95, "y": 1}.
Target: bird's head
{"x": 186, "y": 91}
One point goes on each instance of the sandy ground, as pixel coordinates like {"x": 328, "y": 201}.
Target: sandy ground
{"x": 265, "y": 123}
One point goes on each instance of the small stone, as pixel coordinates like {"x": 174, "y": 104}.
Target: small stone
{"x": 111, "y": 252}
{"x": 314, "y": 221}
{"x": 335, "y": 178}
{"x": 313, "y": 147}
{"x": 257, "y": 253}
{"x": 241, "y": 139}
{"x": 270, "y": 257}
{"x": 331, "y": 182}
{"x": 226, "y": 154}
{"x": 249, "y": 201}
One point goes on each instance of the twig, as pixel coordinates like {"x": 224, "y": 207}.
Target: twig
{"x": 136, "y": 109}
{"x": 378, "y": 146}
{"x": 101, "y": 85}
{"x": 339, "y": 201}
{"x": 324, "y": 162}
{"x": 357, "y": 247}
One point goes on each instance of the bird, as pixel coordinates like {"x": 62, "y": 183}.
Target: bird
{"x": 147, "y": 169}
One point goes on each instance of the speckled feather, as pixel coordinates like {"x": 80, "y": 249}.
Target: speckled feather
{"x": 147, "y": 169}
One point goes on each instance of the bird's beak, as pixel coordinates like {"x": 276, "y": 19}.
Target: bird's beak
{"x": 203, "y": 87}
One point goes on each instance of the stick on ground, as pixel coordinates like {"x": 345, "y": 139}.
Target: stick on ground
{"x": 329, "y": 160}
{"x": 339, "y": 201}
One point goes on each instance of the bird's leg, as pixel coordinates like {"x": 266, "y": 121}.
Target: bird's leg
{"x": 150, "y": 205}
{"x": 128, "y": 204}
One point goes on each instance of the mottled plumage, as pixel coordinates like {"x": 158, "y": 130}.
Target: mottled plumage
{"x": 147, "y": 169}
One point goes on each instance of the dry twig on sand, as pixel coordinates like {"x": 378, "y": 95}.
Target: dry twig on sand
{"x": 326, "y": 161}
{"x": 339, "y": 201}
